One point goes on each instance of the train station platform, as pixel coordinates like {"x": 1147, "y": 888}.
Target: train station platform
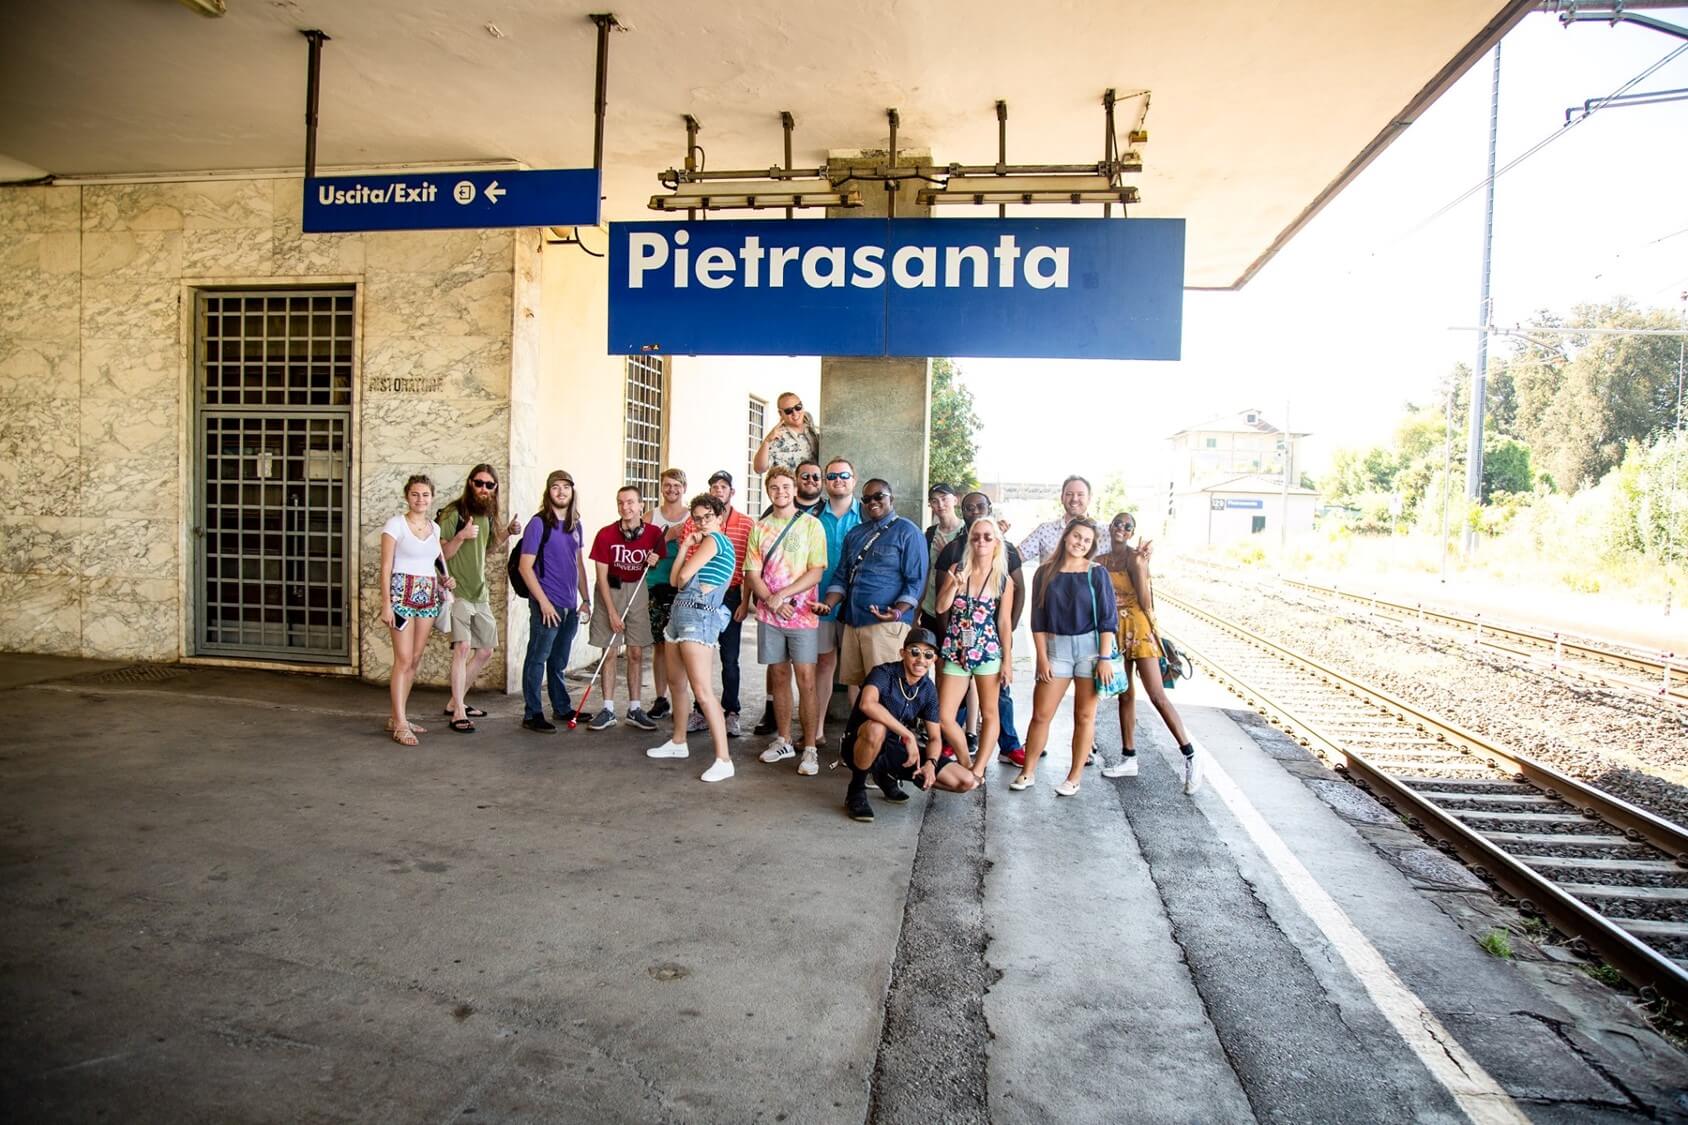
{"x": 229, "y": 896}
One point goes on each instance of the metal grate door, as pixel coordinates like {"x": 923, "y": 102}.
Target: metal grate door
{"x": 643, "y": 431}
{"x": 758, "y": 426}
{"x": 274, "y": 419}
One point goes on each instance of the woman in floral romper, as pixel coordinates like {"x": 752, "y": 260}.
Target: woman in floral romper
{"x": 978, "y": 639}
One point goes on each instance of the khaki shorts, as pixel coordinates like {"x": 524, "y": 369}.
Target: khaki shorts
{"x": 864, "y": 648}
{"x": 636, "y": 617}
{"x": 473, "y": 624}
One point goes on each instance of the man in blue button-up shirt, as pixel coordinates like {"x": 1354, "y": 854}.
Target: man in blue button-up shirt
{"x": 876, "y": 584}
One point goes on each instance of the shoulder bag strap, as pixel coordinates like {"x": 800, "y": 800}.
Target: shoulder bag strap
{"x": 778, "y": 539}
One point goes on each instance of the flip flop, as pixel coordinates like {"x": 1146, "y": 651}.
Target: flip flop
{"x": 462, "y": 726}
{"x": 472, "y": 712}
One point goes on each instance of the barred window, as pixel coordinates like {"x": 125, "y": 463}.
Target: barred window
{"x": 758, "y": 425}
{"x": 643, "y": 433}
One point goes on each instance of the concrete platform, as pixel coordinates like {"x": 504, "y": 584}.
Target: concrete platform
{"x": 229, "y": 896}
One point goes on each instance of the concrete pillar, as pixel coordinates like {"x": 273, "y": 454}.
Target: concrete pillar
{"x": 877, "y": 411}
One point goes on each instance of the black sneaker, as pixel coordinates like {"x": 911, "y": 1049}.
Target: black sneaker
{"x": 855, "y": 803}
{"x": 890, "y": 786}
{"x": 766, "y": 724}
{"x": 972, "y": 745}
{"x": 539, "y": 723}
{"x": 660, "y": 709}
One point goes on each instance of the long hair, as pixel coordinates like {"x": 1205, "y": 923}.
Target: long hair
{"x": 547, "y": 513}
{"x": 1047, "y": 569}
{"x": 467, "y": 504}
{"x": 999, "y": 561}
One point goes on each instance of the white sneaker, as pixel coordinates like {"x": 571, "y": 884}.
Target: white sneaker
{"x": 1127, "y": 767}
{"x": 669, "y": 750}
{"x": 719, "y": 770}
{"x": 811, "y": 763}
{"x": 1193, "y": 771}
{"x": 778, "y": 750}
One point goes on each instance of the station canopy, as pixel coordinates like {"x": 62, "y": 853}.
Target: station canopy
{"x": 1259, "y": 111}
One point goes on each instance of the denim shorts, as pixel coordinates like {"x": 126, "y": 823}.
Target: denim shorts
{"x": 1071, "y": 657}
{"x": 696, "y": 619}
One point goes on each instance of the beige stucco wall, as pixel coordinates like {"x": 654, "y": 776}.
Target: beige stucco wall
{"x": 96, "y": 406}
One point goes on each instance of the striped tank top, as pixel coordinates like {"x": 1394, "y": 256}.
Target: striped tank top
{"x": 718, "y": 571}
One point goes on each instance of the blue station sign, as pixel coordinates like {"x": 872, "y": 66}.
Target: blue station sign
{"x": 1044, "y": 288}
{"x": 556, "y": 197}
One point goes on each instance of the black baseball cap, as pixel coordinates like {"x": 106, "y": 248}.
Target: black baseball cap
{"x": 918, "y": 636}
{"x": 721, "y": 474}
{"x": 947, "y": 489}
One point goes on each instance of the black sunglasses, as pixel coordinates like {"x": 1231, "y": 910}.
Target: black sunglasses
{"x": 798, "y": 409}
{"x": 808, "y": 476}
{"x": 875, "y": 497}
{"x": 839, "y": 476}
{"x": 923, "y": 654}
{"x": 488, "y": 485}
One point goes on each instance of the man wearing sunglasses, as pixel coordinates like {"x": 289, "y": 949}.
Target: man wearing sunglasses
{"x": 839, "y": 514}
{"x": 469, "y": 527}
{"x": 880, "y": 742}
{"x": 876, "y": 584}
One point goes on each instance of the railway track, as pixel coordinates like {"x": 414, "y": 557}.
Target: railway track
{"x": 1596, "y": 867}
{"x": 1666, "y": 677}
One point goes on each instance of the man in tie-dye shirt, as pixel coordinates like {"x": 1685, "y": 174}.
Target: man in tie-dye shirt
{"x": 784, "y": 561}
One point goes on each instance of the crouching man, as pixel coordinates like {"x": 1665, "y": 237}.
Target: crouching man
{"x": 879, "y": 739}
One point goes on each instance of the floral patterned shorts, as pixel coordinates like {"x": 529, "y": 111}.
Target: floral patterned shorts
{"x": 414, "y": 595}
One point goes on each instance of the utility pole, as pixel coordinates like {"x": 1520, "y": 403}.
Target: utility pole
{"x": 1447, "y": 471}
{"x": 1485, "y": 317}
{"x": 1676, "y": 462}
{"x": 1283, "y": 513}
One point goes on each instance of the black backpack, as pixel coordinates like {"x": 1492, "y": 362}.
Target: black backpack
{"x": 513, "y": 567}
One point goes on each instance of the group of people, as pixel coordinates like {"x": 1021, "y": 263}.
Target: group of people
{"x": 918, "y": 626}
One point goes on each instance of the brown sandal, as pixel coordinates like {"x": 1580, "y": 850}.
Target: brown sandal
{"x": 416, "y": 727}
{"x": 404, "y": 737}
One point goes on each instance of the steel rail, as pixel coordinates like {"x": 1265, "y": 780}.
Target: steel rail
{"x": 1527, "y": 637}
{"x": 1639, "y": 963}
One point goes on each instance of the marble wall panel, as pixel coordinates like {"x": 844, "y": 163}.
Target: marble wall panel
{"x": 37, "y": 368}
{"x": 227, "y": 204}
{"x": 228, "y": 252}
{"x": 40, "y": 451}
{"x": 39, "y": 210}
{"x": 130, "y": 462}
{"x": 40, "y": 306}
{"x": 434, "y": 431}
{"x": 27, "y": 255}
{"x": 400, "y": 368}
{"x": 132, "y": 618}
{"x": 109, "y": 207}
{"x": 301, "y": 254}
{"x": 132, "y": 255}
{"x": 127, "y": 369}
{"x": 447, "y": 304}
{"x": 471, "y": 252}
{"x": 42, "y": 614}
{"x": 35, "y": 545}
{"x": 131, "y": 309}
{"x": 119, "y": 546}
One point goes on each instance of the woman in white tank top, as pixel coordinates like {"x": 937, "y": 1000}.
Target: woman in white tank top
{"x": 410, "y": 547}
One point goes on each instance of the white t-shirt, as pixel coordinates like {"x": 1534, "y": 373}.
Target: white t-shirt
{"x": 413, "y": 555}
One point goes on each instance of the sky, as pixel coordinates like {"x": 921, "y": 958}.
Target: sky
{"x": 1353, "y": 318}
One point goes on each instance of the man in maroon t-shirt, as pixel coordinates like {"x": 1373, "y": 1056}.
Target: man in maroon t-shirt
{"x": 621, "y": 553}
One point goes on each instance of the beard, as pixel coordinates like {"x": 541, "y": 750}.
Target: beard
{"x": 477, "y": 505}
{"x": 807, "y": 498}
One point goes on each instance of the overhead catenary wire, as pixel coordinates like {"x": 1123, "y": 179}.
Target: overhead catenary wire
{"x": 1541, "y": 144}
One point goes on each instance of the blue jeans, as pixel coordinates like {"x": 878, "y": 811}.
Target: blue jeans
{"x": 547, "y": 660}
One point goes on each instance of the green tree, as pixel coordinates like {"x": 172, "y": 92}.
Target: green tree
{"x": 954, "y": 428}
{"x": 1506, "y": 467}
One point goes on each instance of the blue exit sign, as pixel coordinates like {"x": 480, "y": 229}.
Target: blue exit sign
{"x": 554, "y": 197}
